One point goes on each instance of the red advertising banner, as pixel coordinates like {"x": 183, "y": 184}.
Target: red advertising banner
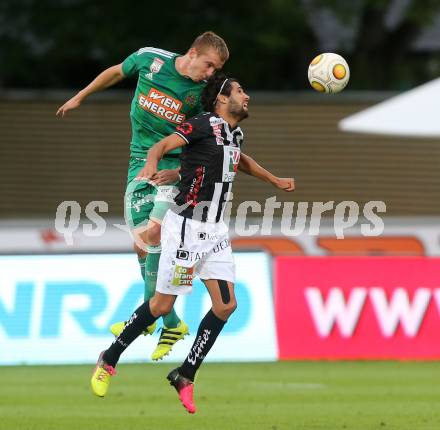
{"x": 357, "y": 307}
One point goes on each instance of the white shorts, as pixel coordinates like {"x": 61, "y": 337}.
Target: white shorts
{"x": 190, "y": 248}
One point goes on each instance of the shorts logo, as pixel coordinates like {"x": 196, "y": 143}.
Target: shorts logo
{"x": 137, "y": 200}
{"x": 182, "y": 254}
{"x": 221, "y": 246}
{"x": 155, "y": 67}
{"x": 202, "y": 235}
{"x": 165, "y": 193}
{"x": 162, "y": 105}
{"x": 183, "y": 276}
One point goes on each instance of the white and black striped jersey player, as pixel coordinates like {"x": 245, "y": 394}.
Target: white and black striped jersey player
{"x": 200, "y": 245}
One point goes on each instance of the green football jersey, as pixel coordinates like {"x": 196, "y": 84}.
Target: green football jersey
{"x": 163, "y": 98}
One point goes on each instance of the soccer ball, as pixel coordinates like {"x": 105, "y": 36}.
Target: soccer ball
{"x": 328, "y": 73}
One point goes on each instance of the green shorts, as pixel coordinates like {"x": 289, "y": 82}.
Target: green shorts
{"x": 143, "y": 201}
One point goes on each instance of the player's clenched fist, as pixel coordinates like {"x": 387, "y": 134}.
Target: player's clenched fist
{"x": 286, "y": 184}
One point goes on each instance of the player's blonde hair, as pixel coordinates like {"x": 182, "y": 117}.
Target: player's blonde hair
{"x": 210, "y": 40}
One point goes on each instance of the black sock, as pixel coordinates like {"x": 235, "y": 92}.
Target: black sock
{"x": 138, "y": 322}
{"x": 209, "y": 328}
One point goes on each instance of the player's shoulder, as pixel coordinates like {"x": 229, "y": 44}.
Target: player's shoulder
{"x": 201, "y": 117}
{"x": 206, "y": 119}
{"x": 210, "y": 117}
{"x": 151, "y": 51}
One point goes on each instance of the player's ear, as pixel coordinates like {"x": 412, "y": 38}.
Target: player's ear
{"x": 222, "y": 99}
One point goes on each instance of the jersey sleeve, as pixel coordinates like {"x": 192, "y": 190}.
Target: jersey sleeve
{"x": 133, "y": 63}
{"x": 130, "y": 65}
{"x": 194, "y": 129}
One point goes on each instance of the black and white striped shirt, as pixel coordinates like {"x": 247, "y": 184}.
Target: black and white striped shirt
{"x": 209, "y": 164}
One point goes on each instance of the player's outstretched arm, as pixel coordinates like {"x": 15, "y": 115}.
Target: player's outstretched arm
{"x": 249, "y": 166}
{"x": 106, "y": 79}
{"x": 157, "y": 151}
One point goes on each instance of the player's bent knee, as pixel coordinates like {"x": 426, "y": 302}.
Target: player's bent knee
{"x": 232, "y": 306}
{"x": 228, "y": 304}
{"x": 152, "y": 234}
{"x": 224, "y": 311}
{"x": 159, "y": 308}
{"x": 139, "y": 251}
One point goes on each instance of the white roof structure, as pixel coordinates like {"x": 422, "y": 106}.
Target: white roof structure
{"x": 414, "y": 113}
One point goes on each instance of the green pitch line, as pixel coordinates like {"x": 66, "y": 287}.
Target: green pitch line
{"x": 273, "y": 396}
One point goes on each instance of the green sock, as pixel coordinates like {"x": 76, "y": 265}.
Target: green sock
{"x": 151, "y": 266}
{"x": 141, "y": 261}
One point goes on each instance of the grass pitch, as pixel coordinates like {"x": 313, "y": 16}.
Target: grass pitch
{"x": 266, "y": 396}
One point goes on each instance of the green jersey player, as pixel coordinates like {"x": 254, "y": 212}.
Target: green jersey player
{"x": 167, "y": 93}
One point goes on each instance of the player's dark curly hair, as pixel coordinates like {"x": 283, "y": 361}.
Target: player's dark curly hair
{"x": 211, "y": 91}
